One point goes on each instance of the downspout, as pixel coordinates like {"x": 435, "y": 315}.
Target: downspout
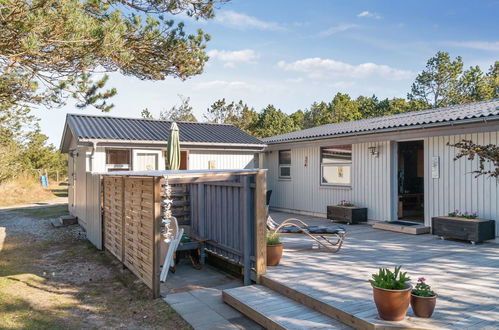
{"x": 94, "y": 146}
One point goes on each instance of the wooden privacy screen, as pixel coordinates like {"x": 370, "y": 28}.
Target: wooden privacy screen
{"x": 130, "y": 212}
{"x": 113, "y": 215}
{"x": 228, "y": 209}
{"x": 139, "y": 228}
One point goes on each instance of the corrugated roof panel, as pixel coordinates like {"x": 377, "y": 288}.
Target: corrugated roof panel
{"x": 116, "y": 128}
{"x": 423, "y": 117}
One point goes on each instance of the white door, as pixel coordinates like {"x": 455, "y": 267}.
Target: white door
{"x": 146, "y": 162}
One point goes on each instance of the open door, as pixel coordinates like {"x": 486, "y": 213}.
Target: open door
{"x": 410, "y": 177}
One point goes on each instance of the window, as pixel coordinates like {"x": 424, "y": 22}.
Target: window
{"x": 336, "y": 165}
{"x": 118, "y": 159}
{"x": 285, "y": 164}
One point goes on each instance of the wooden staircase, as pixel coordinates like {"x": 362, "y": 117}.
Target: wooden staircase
{"x": 275, "y": 305}
{"x": 275, "y": 311}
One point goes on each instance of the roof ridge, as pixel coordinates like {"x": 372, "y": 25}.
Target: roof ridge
{"x": 145, "y": 119}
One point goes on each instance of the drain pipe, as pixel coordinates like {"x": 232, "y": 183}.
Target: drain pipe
{"x": 94, "y": 146}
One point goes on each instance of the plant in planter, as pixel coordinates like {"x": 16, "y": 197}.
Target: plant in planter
{"x": 423, "y": 299}
{"x": 465, "y": 214}
{"x": 274, "y": 249}
{"x": 346, "y": 203}
{"x": 392, "y": 293}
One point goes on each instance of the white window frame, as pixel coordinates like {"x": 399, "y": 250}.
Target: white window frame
{"x": 160, "y": 160}
{"x": 287, "y": 177}
{"x": 339, "y": 164}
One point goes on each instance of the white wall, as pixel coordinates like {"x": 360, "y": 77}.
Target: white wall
{"x": 457, "y": 187}
{"x": 199, "y": 160}
{"x": 370, "y": 181}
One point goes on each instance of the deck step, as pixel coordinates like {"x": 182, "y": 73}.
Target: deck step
{"x": 330, "y": 311}
{"x": 275, "y": 311}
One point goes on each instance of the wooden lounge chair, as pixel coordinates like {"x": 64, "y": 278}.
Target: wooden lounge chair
{"x": 320, "y": 234}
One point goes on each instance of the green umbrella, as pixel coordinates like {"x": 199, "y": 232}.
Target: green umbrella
{"x": 173, "y": 149}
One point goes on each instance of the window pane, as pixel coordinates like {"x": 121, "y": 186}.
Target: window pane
{"x": 336, "y": 174}
{"x": 284, "y": 157}
{"x": 116, "y": 156}
{"x": 336, "y": 154}
{"x": 285, "y": 171}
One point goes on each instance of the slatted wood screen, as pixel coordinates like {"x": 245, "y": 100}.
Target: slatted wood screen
{"x": 228, "y": 211}
{"x": 181, "y": 203}
{"x": 113, "y": 216}
{"x": 131, "y": 224}
{"x": 139, "y": 228}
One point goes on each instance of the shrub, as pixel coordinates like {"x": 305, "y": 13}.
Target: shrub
{"x": 386, "y": 279}
{"x": 273, "y": 239}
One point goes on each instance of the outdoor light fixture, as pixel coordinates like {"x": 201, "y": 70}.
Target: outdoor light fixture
{"x": 373, "y": 151}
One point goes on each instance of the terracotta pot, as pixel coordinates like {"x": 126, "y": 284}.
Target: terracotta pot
{"x": 392, "y": 305}
{"x": 423, "y": 306}
{"x": 274, "y": 254}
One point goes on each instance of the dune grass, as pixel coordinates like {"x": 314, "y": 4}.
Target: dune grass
{"x": 26, "y": 189}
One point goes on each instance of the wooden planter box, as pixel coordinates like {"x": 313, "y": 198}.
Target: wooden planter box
{"x": 473, "y": 230}
{"x": 347, "y": 214}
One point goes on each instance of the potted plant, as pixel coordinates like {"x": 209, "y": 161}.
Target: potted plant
{"x": 392, "y": 293}
{"x": 423, "y": 299}
{"x": 274, "y": 249}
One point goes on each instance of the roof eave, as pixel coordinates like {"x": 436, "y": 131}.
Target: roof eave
{"x": 235, "y": 145}
{"x": 391, "y": 129}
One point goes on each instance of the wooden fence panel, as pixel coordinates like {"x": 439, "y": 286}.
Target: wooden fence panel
{"x": 113, "y": 215}
{"x": 139, "y": 228}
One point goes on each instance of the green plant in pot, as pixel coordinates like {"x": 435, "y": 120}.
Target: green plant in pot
{"x": 423, "y": 299}
{"x": 392, "y": 293}
{"x": 274, "y": 249}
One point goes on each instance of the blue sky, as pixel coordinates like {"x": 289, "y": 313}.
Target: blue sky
{"x": 292, "y": 53}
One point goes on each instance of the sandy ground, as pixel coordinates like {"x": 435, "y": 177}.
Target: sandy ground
{"x": 53, "y": 278}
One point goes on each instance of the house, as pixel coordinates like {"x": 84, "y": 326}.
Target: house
{"x": 104, "y": 144}
{"x": 398, "y": 166}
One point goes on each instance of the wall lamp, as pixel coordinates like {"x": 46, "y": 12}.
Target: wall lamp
{"x": 374, "y": 151}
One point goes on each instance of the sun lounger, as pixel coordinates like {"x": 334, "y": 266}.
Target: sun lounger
{"x": 329, "y": 237}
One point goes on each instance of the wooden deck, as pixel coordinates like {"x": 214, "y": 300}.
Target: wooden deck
{"x": 465, "y": 276}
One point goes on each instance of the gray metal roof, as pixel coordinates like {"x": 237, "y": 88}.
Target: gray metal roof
{"x": 415, "y": 119}
{"x": 139, "y": 129}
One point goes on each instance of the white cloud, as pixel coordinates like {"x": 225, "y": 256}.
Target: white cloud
{"x": 230, "y": 58}
{"x": 243, "y": 21}
{"x": 217, "y": 84}
{"x": 336, "y": 29}
{"x": 480, "y": 45}
{"x": 326, "y": 68}
{"x": 368, "y": 14}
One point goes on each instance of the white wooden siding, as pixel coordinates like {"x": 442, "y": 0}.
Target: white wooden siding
{"x": 199, "y": 160}
{"x": 370, "y": 181}
{"x": 457, "y": 187}
{"x": 92, "y": 217}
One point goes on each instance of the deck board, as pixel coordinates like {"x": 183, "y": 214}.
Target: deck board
{"x": 465, "y": 276}
{"x": 276, "y": 311}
